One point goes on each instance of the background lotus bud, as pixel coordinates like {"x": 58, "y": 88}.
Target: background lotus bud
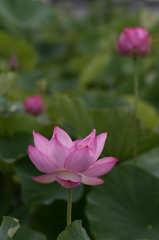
{"x": 13, "y": 63}
{"x": 33, "y": 105}
{"x": 134, "y": 42}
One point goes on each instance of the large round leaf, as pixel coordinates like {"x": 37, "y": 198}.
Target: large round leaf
{"x": 100, "y": 100}
{"x": 148, "y": 161}
{"x": 126, "y": 207}
{"x": 120, "y": 126}
{"x": 119, "y": 123}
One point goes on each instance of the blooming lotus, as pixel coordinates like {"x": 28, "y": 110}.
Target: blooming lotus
{"x": 70, "y": 162}
{"x": 134, "y": 42}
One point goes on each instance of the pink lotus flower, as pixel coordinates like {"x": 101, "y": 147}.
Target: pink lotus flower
{"x": 134, "y": 42}
{"x": 33, "y": 105}
{"x": 70, "y": 162}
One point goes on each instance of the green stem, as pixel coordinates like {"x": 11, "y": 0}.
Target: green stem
{"x": 69, "y": 206}
{"x": 136, "y": 93}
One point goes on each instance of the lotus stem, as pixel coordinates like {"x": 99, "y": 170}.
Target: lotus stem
{"x": 136, "y": 96}
{"x": 69, "y": 206}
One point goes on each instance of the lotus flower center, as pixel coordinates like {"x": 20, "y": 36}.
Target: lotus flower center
{"x": 81, "y": 146}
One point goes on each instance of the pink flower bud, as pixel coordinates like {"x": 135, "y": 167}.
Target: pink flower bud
{"x": 134, "y": 42}
{"x": 33, "y": 105}
{"x": 13, "y": 63}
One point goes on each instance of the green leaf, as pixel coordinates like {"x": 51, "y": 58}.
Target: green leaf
{"x": 146, "y": 112}
{"x": 7, "y": 81}
{"x": 149, "y": 161}
{"x": 74, "y": 113}
{"x": 10, "y": 46}
{"x": 80, "y": 61}
{"x": 74, "y": 232}
{"x": 11, "y": 230}
{"x": 92, "y": 70}
{"x": 37, "y": 192}
{"x": 26, "y": 233}
{"x": 126, "y": 207}
{"x": 119, "y": 123}
{"x": 24, "y": 14}
{"x": 19, "y": 122}
{"x": 99, "y": 100}
{"x": 8, "y": 228}
{"x": 17, "y": 145}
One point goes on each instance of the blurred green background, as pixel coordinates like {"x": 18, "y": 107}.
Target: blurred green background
{"x": 66, "y": 53}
